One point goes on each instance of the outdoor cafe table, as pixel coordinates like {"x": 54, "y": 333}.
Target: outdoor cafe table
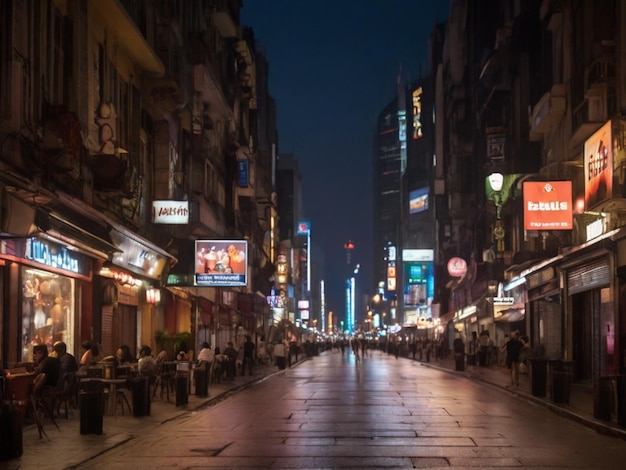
{"x": 19, "y": 389}
{"x": 112, "y": 385}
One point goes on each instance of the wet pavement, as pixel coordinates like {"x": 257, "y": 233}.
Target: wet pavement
{"x": 68, "y": 448}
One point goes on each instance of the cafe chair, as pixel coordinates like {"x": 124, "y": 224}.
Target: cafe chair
{"x": 42, "y": 400}
{"x": 164, "y": 380}
{"x": 67, "y": 393}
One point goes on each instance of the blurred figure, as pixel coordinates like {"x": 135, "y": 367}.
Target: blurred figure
{"x": 206, "y": 354}
{"x": 91, "y": 354}
{"x": 231, "y": 353}
{"x": 47, "y": 370}
{"x": 147, "y": 365}
{"x": 123, "y": 355}
{"x": 66, "y": 360}
{"x": 248, "y": 356}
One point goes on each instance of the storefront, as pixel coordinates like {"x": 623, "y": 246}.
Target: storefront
{"x": 48, "y": 286}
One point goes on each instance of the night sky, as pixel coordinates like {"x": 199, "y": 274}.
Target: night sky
{"x": 333, "y": 67}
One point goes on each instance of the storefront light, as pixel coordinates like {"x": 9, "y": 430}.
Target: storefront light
{"x": 153, "y": 296}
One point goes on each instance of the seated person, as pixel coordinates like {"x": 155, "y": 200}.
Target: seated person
{"x": 206, "y": 354}
{"x": 47, "y": 370}
{"x": 123, "y": 355}
{"x": 91, "y": 354}
{"x": 67, "y": 361}
{"x": 163, "y": 356}
{"x": 147, "y": 365}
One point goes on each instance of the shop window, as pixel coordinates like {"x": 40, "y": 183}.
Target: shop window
{"x": 47, "y": 310}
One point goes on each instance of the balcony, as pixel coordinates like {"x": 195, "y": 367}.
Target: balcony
{"x": 169, "y": 90}
{"x": 205, "y": 82}
{"x": 224, "y": 20}
{"x": 548, "y": 112}
{"x": 117, "y": 19}
{"x": 591, "y": 113}
{"x": 599, "y": 75}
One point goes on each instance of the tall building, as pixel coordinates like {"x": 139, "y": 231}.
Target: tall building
{"x": 387, "y": 200}
{"x": 129, "y": 130}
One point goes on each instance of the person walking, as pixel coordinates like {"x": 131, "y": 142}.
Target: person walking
{"x": 513, "y": 348}
{"x": 472, "y": 349}
{"x": 459, "y": 353}
{"x": 248, "y": 356}
{"x": 231, "y": 353}
{"x": 279, "y": 354}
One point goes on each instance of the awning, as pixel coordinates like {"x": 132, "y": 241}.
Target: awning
{"x": 511, "y": 315}
{"x": 93, "y": 239}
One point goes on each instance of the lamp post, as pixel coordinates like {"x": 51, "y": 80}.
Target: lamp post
{"x": 496, "y": 181}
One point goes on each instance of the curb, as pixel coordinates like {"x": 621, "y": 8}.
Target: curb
{"x": 599, "y": 426}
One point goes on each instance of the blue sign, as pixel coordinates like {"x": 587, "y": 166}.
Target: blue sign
{"x": 304, "y": 228}
{"x": 243, "y": 172}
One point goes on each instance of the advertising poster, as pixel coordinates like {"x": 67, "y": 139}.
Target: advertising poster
{"x": 598, "y": 161}
{"x": 221, "y": 263}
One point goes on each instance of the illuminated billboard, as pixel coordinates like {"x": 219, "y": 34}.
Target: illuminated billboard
{"x": 221, "y": 263}
{"x": 416, "y": 98}
{"x": 548, "y": 205}
{"x": 419, "y": 283}
{"x": 418, "y": 200}
{"x": 598, "y": 162}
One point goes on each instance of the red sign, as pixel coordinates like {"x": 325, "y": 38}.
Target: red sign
{"x": 548, "y": 205}
{"x": 598, "y": 167}
{"x": 457, "y": 267}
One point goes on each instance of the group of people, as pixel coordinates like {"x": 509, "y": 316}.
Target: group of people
{"x": 514, "y": 352}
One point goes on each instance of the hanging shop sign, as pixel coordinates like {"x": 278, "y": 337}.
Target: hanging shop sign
{"x": 137, "y": 257}
{"x": 170, "y": 212}
{"x": 598, "y": 161}
{"x": 548, "y": 205}
{"x": 457, "y": 267}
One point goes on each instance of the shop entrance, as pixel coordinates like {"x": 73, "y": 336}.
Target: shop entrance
{"x": 583, "y": 306}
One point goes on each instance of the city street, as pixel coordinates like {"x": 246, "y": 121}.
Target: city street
{"x": 331, "y": 412}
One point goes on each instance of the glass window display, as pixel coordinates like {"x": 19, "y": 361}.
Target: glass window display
{"x": 47, "y": 310}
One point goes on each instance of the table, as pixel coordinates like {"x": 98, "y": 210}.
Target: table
{"x": 19, "y": 385}
{"x": 112, "y": 385}
{"x": 18, "y": 390}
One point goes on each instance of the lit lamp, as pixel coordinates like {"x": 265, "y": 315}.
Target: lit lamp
{"x": 153, "y": 296}
{"x": 495, "y": 182}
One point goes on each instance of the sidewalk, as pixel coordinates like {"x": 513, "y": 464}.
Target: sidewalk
{"x": 580, "y": 406}
{"x": 67, "y": 447}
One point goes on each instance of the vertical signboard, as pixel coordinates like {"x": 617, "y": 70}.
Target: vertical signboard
{"x": 598, "y": 161}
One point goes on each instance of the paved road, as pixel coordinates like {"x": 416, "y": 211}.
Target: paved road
{"x": 330, "y": 412}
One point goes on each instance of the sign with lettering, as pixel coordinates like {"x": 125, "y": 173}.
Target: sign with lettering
{"x": 170, "y": 212}
{"x": 56, "y": 256}
{"x": 548, "y": 205}
{"x": 598, "y": 161}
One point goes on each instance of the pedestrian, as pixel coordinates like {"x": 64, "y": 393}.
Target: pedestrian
{"x": 503, "y": 361}
{"x": 293, "y": 352}
{"x": 279, "y": 354}
{"x": 513, "y": 348}
{"x": 459, "y": 353}
{"x": 472, "y": 349}
{"x": 248, "y": 356}
{"x": 231, "y": 367}
{"x": 483, "y": 351}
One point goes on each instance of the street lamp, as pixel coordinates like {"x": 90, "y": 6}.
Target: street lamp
{"x": 496, "y": 181}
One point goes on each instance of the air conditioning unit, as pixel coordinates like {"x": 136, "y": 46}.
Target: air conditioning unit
{"x": 597, "y": 108}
